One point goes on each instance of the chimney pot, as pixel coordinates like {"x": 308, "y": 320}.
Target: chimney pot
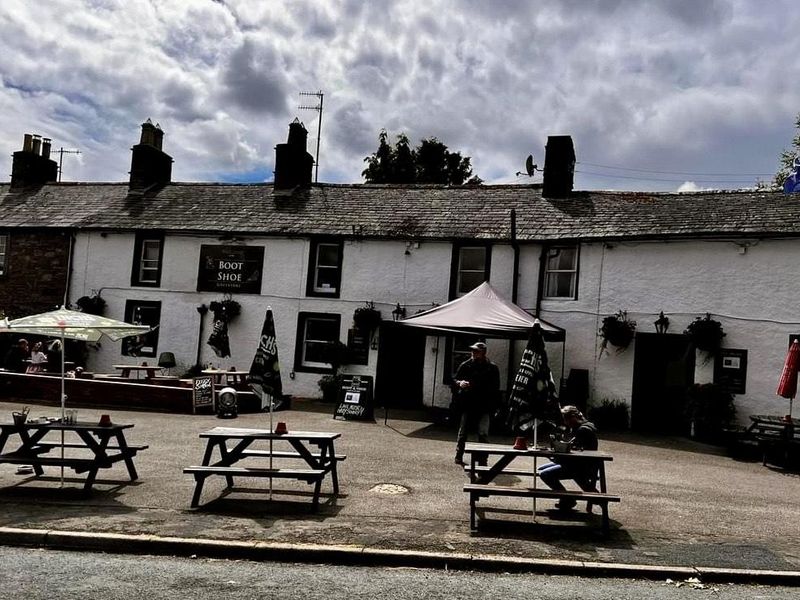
{"x": 559, "y": 167}
{"x": 37, "y": 143}
{"x": 46, "y": 147}
{"x": 27, "y": 143}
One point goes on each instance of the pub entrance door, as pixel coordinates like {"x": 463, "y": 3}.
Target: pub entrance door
{"x": 401, "y": 360}
{"x": 663, "y": 370}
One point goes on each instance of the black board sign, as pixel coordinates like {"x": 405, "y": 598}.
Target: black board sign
{"x": 202, "y": 393}
{"x": 355, "y": 398}
{"x": 730, "y": 370}
{"x": 230, "y": 269}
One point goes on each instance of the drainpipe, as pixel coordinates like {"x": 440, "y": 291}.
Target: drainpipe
{"x": 202, "y": 309}
{"x": 514, "y": 293}
{"x": 69, "y": 272}
{"x": 540, "y": 284}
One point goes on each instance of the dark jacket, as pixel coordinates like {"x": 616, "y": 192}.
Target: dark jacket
{"x": 483, "y": 392}
{"x": 15, "y": 360}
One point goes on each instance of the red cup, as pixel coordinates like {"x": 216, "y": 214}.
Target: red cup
{"x": 521, "y": 443}
{"x": 280, "y": 428}
{"x": 105, "y": 420}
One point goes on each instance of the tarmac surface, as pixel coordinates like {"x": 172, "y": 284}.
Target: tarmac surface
{"x": 687, "y": 509}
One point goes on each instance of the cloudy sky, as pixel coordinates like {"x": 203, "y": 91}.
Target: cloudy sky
{"x": 657, "y": 95}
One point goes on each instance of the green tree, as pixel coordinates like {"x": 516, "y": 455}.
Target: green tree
{"x": 788, "y": 156}
{"x": 429, "y": 162}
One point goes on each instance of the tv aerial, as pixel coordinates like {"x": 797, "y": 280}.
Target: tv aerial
{"x": 530, "y": 167}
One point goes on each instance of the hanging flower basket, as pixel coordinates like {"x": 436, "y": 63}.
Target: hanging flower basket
{"x": 706, "y": 334}
{"x": 366, "y": 318}
{"x": 92, "y": 305}
{"x": 226, "y": 310}
{"x": 617, "y": 330}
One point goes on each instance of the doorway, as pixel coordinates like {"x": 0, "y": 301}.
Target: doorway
{"x": 399, "y": 373}
{"x": 663, "y": 370}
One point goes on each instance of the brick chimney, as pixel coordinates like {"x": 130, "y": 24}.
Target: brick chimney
{"x": 293, "y": 164}
{"x": 559, "y": 167}
{"x": 32, "y": 164}
{"x": 150, "y": 166}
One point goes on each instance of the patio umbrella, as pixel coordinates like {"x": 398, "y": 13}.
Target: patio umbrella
{"x": 73, "y": 325}
{"x": 787, "y": 386}
{"x": 533, "y": 391}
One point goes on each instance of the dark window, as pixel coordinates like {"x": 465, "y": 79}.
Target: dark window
{"x": 561, "y": 273}
{"x": 324, "y": 268}
{"x": 470, "y": 268}
{"x": 3, "y": 254}
{"x": 315, "y": 333}
{"x": 142, "y": 312}
{"x": 148, "y": 252}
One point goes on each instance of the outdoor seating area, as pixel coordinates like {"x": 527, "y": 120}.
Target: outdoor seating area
{"x": 314, "y": 449}
{"x": 482, "y": 477}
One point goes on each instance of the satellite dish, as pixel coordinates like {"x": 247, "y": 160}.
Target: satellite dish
{"x": 530, "y": 168}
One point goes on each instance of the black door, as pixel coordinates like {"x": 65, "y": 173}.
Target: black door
{"x": 663, "y": 370}
{"x": 401, "y": 359}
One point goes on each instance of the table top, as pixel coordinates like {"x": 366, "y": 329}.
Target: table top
{"x": 223, "y": 372}
{"x": 504, "y": 450}
{"x": 266, "y": 434}
{"x": 773, "y": 420}
{"x": 137, "y": 367}
{"x": 58, "y": 426}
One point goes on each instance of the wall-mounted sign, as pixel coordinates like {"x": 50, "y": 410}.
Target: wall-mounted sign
{"x": 230, "y": 269}
{"x": 730, "y": 370}
{"x": 355, "y": 398}
{"x": 202, "y": 393}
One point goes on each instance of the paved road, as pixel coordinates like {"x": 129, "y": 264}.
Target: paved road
{"x": 33, "y": 574}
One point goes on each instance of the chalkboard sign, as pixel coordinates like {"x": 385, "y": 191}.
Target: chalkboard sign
{"x": 730, "y": 370}
{"x": 355, "y": 398}
{"x": 202, "y": 393}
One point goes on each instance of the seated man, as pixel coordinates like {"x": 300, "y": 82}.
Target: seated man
{"x": 582, "y": 471}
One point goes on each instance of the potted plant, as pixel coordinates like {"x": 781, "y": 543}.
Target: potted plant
{"x": 706, "y": 334}
{"x": 93, "y": 305}
{"x": 335, "y": 354}
{"x": 617, "y": 330}
{"x": 366, "y": 318}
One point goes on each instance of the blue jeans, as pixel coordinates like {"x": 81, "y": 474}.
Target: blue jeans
{"x": 553, "y": 474}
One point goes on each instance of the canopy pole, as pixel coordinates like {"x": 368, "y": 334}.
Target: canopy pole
{"x": 63, "y": 403}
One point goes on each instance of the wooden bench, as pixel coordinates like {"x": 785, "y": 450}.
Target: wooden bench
{"x": 202, "y": 472}
{"x": 478, "y": 490}
{"x": 287, "y": 454}
{"x": 134, "y": 448}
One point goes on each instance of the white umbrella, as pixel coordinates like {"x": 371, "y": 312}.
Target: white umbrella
{"x": 73, "y": 325}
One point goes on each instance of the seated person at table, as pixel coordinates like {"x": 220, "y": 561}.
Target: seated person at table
{"x": 16, "y": 356}
{"x": 54, "y": 350}
{"x": 38, "y": 359}
{"x": 582, "y": 471}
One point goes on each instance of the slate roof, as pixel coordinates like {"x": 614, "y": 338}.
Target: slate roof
{"x": 401, "y": 211}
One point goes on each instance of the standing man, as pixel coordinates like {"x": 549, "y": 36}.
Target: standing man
{"x": 476, "y": 385}
{"x": 583, "y": 472}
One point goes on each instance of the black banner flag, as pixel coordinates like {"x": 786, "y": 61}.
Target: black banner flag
{"x": 533, "y": 392}
{"x": 265, "y": 373}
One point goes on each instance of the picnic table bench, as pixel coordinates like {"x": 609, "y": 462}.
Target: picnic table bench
{"x": 482, "y": 477}
{"x": 775, "y": 436}
{"x": 315, "y": 449}
{"x": 92, "y": 438}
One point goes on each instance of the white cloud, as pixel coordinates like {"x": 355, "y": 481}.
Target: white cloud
{"x": 668, "y": 87}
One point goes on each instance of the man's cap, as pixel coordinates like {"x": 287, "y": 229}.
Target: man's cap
{"x": 572, "y": 411}
{"x": 478, "y": 346}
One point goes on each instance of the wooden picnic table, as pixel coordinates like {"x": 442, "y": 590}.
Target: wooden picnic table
{"x": 237, "y": 379}
{"x": 482, "y": 476}
{"x": 775, "y": 436}
{"x": 315, "y": 449}
{"x": 98, "y": 447}
{"x": 126, "y": 370}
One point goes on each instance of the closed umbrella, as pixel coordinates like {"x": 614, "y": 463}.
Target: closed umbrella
{"x": 787, "y": 386}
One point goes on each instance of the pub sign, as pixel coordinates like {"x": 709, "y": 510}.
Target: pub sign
{"x": 230, "y": 269}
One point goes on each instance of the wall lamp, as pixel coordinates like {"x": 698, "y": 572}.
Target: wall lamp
{"x": 399, "y": 313}
{"x": 661, "y": 323}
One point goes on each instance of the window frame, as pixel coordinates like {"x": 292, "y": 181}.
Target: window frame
{"x": 303, "y": 318}
{"x": 5, "y": 242}
{"x": 131, "y": 306}
{"x": 138, "y": 258}
{"x": 455, "y": 265}
{"x": 546, "y": 271}
{"x": 313, "y": 268}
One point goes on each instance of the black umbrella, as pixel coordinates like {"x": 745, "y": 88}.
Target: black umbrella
{"x": 264, "y": 377}
{"x": 533, "y": 393}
